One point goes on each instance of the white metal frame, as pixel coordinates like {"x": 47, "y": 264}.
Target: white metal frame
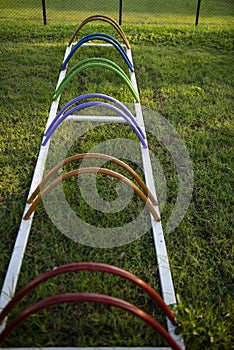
{"x": 10, "y": 282}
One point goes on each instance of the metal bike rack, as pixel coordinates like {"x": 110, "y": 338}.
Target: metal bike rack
{"x": 167, "y": 288}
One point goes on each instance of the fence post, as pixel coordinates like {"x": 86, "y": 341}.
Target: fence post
{"x": 44, "y": 11}
{"x": 198, "y": 11}
{"x": 120, "y": 11}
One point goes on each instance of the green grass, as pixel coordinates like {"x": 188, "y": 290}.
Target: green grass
{"x": 146, "y": 11}
{"x": 184, "y": 74}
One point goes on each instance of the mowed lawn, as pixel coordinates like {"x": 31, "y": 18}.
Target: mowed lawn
{"x": 186, "y": 75}
{"x": 145, "y": 11}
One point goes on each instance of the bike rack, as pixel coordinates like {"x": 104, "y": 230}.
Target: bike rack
{"x": 8, "y": 299}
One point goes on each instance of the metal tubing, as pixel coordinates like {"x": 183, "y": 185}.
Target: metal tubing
{"x": 90, "y": 298}
{"x": 97, "y": 64}
{"x": 96, "y": 59}
{"x": 87, "y": 266}
{"x": 92, "y": 156}
{"x": 96, "y": 95}
{"x": 91, "y": 104}
{"x": 101, "y": 36}
{"x": 97, "y": 119}
{"x": 109, "y": 20}
{"x": 88, "y": 171}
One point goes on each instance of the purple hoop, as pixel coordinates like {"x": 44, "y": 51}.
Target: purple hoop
{"x": 95, "y": 95}
{"x": 90, "y": 104}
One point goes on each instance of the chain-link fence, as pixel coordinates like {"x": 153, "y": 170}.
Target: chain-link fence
{"x": 208, "y": 12}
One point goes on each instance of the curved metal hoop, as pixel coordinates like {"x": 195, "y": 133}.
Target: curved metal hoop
{"x": 86, "y": 171}
{"x": 102, "y": 65}
{"x": 96, "y": 59}
{"x": 88, "y": 266}
{"x": 91, "y": 104}
{"x": 96, "y": 36}
{"x": 99, "y": 36}
{"x": 91, "y": 298}
{"x": 95, "y": 95}
{"x": 92, "y": 156}
{"x": 104, "y": 19}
